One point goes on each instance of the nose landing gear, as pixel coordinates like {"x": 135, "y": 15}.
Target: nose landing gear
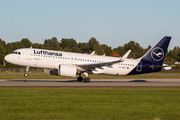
{"x": 27, "y": 70}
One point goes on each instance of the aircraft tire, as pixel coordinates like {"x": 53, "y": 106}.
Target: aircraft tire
{"x": 25, "y": 74}
{"x": 80, "y": 79}
{"x": 86, "y": 79}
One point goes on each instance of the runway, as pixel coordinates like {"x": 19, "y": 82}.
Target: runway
{"x": 93, "y": 83}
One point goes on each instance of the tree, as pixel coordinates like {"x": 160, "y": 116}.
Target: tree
{"x": 37, "y": 45}
{"x": 3, "y": 51}
{"x": 26, "y": 43}
{"x": 107, "y": 50}
{"x": 137, "y": 50}
{"x": 64, "y": 43}
{"x": 69, "y": 45}
{"x": 82, "y": 47}
{"x": 174, "y": 54}
{"x": 52, "y": 44}
{"x": 17, "y": 45}
{"x": 119, "y": 50}
{"x": 73, "y": 46}
{"x": 93, "y": 45}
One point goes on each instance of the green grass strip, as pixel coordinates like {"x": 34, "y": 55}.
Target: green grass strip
{"x": 89, "y": 103}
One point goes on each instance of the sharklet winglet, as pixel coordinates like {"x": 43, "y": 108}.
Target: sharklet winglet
{"x": 126, "y": 55}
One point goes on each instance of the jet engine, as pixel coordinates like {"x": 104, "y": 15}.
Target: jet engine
{"x": 64, "y": 70}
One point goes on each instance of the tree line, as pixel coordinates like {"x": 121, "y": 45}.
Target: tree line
{"x": 71, "y": 45}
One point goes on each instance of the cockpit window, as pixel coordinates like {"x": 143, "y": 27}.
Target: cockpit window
{"x": 17, "y": 53}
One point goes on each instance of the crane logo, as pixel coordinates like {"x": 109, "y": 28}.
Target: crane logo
{"x": 157, "y": 54}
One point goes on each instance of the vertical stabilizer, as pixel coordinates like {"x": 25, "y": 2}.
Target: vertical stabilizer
{"x": 158, "y": 52}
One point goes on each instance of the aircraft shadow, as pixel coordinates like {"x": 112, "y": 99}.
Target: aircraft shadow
{"x": 138, "y": 81}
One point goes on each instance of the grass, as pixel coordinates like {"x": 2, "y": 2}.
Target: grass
{"x": 90, "y": 103}
{"x": 145, "y": 76}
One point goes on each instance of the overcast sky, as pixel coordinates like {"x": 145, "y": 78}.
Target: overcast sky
{"x": 111, "y": 22}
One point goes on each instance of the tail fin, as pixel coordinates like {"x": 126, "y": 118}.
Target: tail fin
{"x": 158, "y": 52}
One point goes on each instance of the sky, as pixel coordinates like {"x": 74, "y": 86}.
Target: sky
{"x": 111, "y": 22}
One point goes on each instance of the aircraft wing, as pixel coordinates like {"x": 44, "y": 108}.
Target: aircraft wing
{"x": 100, "y": 65}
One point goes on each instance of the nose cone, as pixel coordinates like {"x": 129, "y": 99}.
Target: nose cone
{"x": 8, "y": 58}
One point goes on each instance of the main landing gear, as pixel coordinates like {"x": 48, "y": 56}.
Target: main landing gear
{"x": 86, "y": 79}
{"x": 27, "y": 70}
{"x": 80, "y": 79}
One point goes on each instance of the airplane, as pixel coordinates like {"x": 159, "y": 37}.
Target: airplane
{"x": 70, "y": 64}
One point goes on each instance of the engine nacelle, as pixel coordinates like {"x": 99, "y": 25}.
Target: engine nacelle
{"x": 64, "y": 70}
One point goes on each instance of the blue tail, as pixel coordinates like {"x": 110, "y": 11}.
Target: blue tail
{"x": 152, "y": 61}
{"x": 157, "y": 53}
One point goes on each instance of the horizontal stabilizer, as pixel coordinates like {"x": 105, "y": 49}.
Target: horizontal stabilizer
{"x": 164, "y": 67}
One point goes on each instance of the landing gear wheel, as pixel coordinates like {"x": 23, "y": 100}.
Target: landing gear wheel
{"x": 25, "y": 74}
{"x": 86, "y": 79}
{"x": 80, "y": 79}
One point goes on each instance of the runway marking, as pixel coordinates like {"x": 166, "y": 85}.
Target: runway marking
{"x": 3, "y": 80}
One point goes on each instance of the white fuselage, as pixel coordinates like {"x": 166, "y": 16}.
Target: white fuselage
{"x": 50, "y": 59}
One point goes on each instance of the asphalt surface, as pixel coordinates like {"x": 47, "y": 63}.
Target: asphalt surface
{"x": 93, "y": 83}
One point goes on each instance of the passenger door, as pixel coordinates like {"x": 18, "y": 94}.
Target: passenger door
{"x": 29, "y": 54}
